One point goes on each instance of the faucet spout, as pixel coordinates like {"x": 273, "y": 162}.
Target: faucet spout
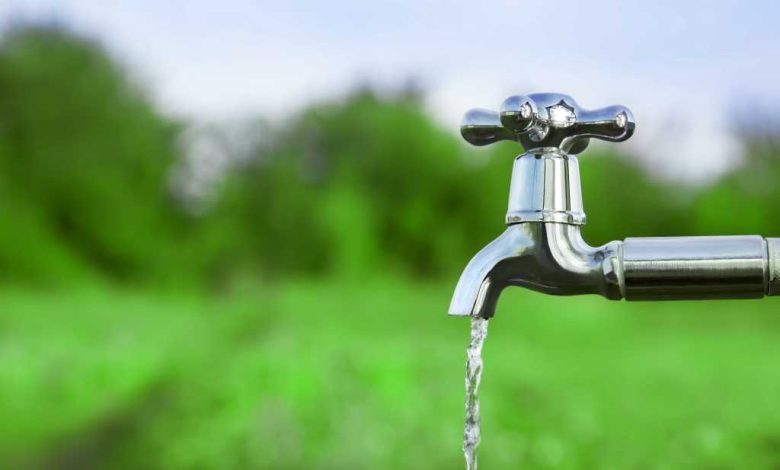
{"x": 480, "y": 285}
{"x": 551, "y": 258}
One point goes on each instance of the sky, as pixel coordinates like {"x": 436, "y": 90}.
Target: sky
{"x": 685, "y": 69}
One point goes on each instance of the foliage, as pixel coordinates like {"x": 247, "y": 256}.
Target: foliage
{"x": 369, "y": 182}
{"x": 83, "y": 156}
{"x": 350, "y": 187}
{"x": 745, "y": 200}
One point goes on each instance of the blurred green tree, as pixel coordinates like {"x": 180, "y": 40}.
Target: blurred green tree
{"x": 369, "y": 184}
{"x": 744, "y": 201}
{"x": 352, "y": 187}
{"x": 83, "y": 161}
{"x": 621, "y": 200}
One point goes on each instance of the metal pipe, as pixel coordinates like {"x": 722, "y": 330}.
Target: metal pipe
{"x": 696, "y": 268}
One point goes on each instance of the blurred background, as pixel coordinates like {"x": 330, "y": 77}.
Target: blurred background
{"x": 229, "y": 233}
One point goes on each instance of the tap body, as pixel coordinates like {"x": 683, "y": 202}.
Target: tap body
{"x": 542, "y": 249}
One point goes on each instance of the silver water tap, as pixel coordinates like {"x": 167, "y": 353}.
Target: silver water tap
{"x": 542, "y": 248}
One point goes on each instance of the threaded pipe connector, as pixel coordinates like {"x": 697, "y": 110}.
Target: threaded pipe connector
{"x": 773, "y": 281}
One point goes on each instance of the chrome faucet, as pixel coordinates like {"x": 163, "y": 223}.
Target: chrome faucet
{"x": 542, "y": 248}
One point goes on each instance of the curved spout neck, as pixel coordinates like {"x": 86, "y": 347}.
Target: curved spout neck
{"x": 546, "y": 257}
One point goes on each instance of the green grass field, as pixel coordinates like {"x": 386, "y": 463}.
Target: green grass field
{"x": 334, "y": 375}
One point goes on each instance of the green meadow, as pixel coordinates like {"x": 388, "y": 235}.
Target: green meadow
{"x": 370, "y": 375}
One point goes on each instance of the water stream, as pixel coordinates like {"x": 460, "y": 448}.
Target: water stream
{"x": 479, "y": 328}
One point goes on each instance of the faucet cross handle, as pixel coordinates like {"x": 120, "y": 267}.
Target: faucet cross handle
{"x": 547, "y": 121}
